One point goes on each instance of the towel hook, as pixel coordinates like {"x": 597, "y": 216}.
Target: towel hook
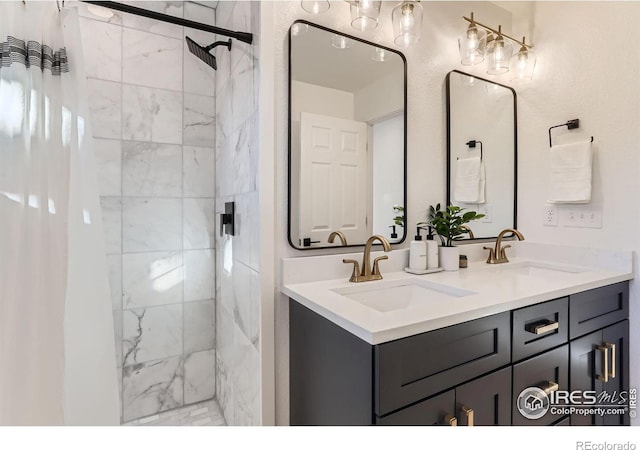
{"x": 571, "y": 125}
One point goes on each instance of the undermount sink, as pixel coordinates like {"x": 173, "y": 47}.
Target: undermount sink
{"x": 387, "y": 296}
{"x": 540, "y": 269}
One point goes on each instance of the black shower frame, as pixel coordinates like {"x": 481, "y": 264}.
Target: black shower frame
{"x": 239, "y": 35}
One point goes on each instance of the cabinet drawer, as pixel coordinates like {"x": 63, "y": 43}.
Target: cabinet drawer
{"x": 540, "y": 327}
{"x": 598, "y": 308}
{"x": 416, "y": 367}
{"x": 438, "y": 410}
{"x": 552, "y": 366}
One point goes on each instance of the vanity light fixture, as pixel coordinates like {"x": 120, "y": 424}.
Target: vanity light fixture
{"x": 364, "y": 14}
{"x": 407, "y": 23}
{"x": 406, "y": 17}
{"x": 315, "y": 6}
{"x": 472, "y": 44}
{"x": 497, "y": 51}
{"x": 523, "y": 63}
{"x": 340, "y": 42}
{"x": 499, "y": 54}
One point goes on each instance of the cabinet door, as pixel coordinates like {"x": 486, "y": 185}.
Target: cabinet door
{"x": 438, "y": 410}
{"x": 586, "y": 366}
{"x": 489, "y": 399}
{"x": 587, "y": 370}
{"x": 616, "y": 339}
{"x": 552, "y": 366}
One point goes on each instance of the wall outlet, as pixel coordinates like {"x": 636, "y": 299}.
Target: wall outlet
{"x": 550, "y": 217}
{"x": 487, "y": 210}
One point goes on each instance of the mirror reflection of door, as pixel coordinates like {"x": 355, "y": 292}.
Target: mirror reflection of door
{"x": 333, "y": 178}
{"x": 347, "y": 139}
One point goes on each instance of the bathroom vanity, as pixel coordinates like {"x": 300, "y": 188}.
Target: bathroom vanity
{"x": 457, "y": 348}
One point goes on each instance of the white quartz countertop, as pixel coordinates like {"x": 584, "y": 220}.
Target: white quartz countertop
{"x": 491, "y": 289}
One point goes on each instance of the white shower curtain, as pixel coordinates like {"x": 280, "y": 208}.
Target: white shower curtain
{"x": 57, "y": 354}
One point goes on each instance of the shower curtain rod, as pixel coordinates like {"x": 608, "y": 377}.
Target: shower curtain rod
{"x": 239, "y": 35}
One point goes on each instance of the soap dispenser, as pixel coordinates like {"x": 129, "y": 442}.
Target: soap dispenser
{"x": 432, "y": 251}
{"x": 418, "y": 253}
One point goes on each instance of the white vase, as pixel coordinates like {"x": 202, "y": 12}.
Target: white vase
{"x": 450, "y": 258}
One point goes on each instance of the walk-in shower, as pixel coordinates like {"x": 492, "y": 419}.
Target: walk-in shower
{"x": 185, "y": 327}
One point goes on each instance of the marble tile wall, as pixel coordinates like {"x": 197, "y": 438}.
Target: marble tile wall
{"x": 237, "y": 270}
{"x": 153, "y": 118}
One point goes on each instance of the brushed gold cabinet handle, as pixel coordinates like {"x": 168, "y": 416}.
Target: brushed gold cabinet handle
{"x": 451, "y": 421}
{"x": 541, "y": 328}
{"x": 605, "y": 363}
{"x": 549, "y": 387}
{"x": 468, "y": 412}
{"x": 612, "y": 370}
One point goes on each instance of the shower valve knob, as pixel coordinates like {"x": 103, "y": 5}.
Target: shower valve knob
{"x": 227, "y": 219}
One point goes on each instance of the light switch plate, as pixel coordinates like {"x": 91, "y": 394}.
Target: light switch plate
{"x": 581, "y": 216}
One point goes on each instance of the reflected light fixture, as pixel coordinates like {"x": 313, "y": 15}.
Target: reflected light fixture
{"x": 316, "y": 6}
{"x": 481, "y": 43}
{"x": 523, "y": 64}
{"x": 299, "y": 29}
{"x": 380, "y": 55}
{"x": 365, "y": 14}
{"x": 100, "y": 11}
{"x": 340, "y": 42}
{"x": 407, "y": 23}
{"x": 472, "y": 44}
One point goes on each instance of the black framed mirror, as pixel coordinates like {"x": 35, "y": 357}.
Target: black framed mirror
{"x": 347, "y": 139}
{"x": 482, "y": 150}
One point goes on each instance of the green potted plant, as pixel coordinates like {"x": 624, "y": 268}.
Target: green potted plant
{"x": 449, "y": 226}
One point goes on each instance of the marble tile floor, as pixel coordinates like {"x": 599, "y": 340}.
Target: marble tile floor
{"x": 206, "y": 413}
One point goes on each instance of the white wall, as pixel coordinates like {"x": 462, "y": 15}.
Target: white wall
{"x": 427, "y": 66}
{"x": 320, "y": 100}
{"x": 588, "y": 71}
{"x": 381, "y": 98}
{"x": 388, "y": 172}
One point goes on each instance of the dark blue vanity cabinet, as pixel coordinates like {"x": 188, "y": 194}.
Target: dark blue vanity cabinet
{"x": 467, "y": 374}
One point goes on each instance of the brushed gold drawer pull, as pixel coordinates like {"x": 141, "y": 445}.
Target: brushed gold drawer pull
{"x": 612, "y": 370}
{"x": 549, "y": 387}
{"x": 541, "y": 328}
{"x": 451, "y": 421}
{"x": 605, "y": 363}
{"x": 468, "y": 412}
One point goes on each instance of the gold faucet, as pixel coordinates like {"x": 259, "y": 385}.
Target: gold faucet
{"x": 340, "y": 235}
{"x": 468, "y": 230}
{"x": 367, "y": 274}
{"x": 497, "y": 255}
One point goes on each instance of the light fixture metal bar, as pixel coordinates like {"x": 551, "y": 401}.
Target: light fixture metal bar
{"x": 497, "y": 32}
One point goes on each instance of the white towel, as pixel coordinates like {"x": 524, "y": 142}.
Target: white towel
{"x": 483, "y": 182}
{"x": 470, "y": 181}
{"x": 570, "y": 176}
